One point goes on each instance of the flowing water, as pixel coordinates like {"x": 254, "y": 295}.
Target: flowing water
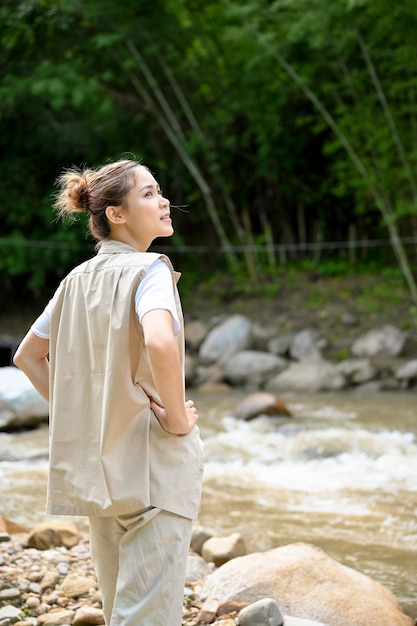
{"x": 341, "y": 473}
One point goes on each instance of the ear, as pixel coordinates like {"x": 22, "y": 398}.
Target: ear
{"x": 115, "y": 214}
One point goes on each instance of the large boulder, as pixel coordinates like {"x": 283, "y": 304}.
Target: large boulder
{"x": 20, "y": 404}
{"x": 229, "y": 337}
{"x": 307, "y": 344}
{"x": 310, "y": 375}
{"x": 306, "y": 583}
{"x": 386, "y": 341}
{"x": 252, "y": 367}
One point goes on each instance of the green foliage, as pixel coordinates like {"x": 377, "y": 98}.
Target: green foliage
{"x": 278, "y": 121}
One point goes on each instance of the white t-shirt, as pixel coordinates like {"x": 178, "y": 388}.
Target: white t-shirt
{"x": 154, "y": 292}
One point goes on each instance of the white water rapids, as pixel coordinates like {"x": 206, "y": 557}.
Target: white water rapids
{"x": 341, "y": 473}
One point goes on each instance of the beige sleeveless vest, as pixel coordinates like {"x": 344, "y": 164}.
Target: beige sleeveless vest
{"x": 108, "y": 453}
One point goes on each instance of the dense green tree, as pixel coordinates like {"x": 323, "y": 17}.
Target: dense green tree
{"x": 280, "y": 122}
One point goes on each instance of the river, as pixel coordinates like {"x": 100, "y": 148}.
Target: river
{"x": 341, "y": 473}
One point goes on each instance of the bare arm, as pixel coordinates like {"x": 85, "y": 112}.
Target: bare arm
{"x": 176, "y": 416}
{"x": 30, "y": 357}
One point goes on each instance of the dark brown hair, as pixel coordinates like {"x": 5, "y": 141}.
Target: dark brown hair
{"x": 93, "y": 191}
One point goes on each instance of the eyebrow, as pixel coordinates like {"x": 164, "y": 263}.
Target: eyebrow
{"x": 149, "y": 187}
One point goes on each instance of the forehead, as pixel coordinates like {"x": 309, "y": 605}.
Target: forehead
{"x": 144, "y": 177}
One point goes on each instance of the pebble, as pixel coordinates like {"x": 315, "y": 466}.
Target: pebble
{"x": 58, "y": 586}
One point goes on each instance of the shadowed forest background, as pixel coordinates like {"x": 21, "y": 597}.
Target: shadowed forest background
{"x": 289, "y": 127}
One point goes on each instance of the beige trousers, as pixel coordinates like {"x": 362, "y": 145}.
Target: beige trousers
{"x": 140, "y": 560}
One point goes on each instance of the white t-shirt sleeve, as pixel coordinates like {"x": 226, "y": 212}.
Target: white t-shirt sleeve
{"x": 41, "y": 326}
{"x": 156, "y": 292}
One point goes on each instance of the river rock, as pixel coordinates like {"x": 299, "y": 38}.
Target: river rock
{"x": 260, "y": 403}
{"x": 20, "y": 404}
{"x": 56, "y": 617}
{"x": 219, "y": 550}
{"x": 297, "y": 621}
{"x": 281, "y": 345}
{"x": 197, "y": 569}
{"x": 252, "y": 367}
{"x": 88, "y": 616}
{"x": 10, "y": 614}
{"x": 49, "y": 534}
{"x": 407, "y": 372}
{"x": 264, "y": 612}
{"x": 358, "y": 371}
{"x": 195, "y": 332}
{"x": 310, "y": 375}
{"x": 198, "y": 537}
{"x": 307, "y": 344}
{"x": 386, "y": 341}
{"x": 74, "y": 585}
{"x": 227, "y": 338}
{"x": 306, "y": 583}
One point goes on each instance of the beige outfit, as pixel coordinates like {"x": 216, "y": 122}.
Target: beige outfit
{"x": 109, "y": 457}
{"x": 108, "y": 453}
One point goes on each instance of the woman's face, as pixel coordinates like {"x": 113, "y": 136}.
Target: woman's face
{"x": 146, "y": 212}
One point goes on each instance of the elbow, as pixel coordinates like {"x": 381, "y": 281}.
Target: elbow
{"x": 160, "y": 343}
{"x": 17, "y": 359}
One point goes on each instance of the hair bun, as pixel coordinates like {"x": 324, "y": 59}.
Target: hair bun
{"x": 83, "y": 193}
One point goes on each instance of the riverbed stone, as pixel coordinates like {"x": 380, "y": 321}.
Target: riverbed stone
{"x": 197, "y": 569}
{"x": 252, "y": 367}
{"x": 407, "y": 371}
{"x": 297, "y": 621}
{"x": 306, "y": 344}
{"x": 281, "y": 345}
{"x": 310, "y": 375}
{"x": 49, "y": 534}
{"x": 20, "y": 404}
{"x": 195, "y": 331}
{"x": 10, "y": 614}
{"x": 198, "y": 537}
{"x": 264, "y": 612}
{"x": 75, "y": 585}
{"x": 227, "y": 338}
{"x": 219, "y": 550}
{"x": 88, "y": 616}
{"x": 260, "y": 403}
{"x": 56, "y": 617}
{"x": 385, "y": 341}
{"x": 357, "y": 371}
{"x": 306, "y": 583}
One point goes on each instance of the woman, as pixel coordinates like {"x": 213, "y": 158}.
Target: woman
{"x": 107, "y": 352}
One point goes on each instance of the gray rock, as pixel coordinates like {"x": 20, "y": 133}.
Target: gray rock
{"x": 11, "y": 614}
{"x": 407, "y": 371}
{"x": 309, "y": 375}
{"x": 20, "y": 403}
{"x": 264, "y": 612}
{"x": 386, "y": 341}
{"x": 194, "y": 333}
{"x": 229, "y": 337}
{"x": 219, "y": 550}
{"x": 307, "y": 344}
{"x": 281, "y": 345}
{"x": 357, "y": 370}
{"x": 197, "y": 569}
{"x": 198, "y": 537}
{"x": 251, "y": 367}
